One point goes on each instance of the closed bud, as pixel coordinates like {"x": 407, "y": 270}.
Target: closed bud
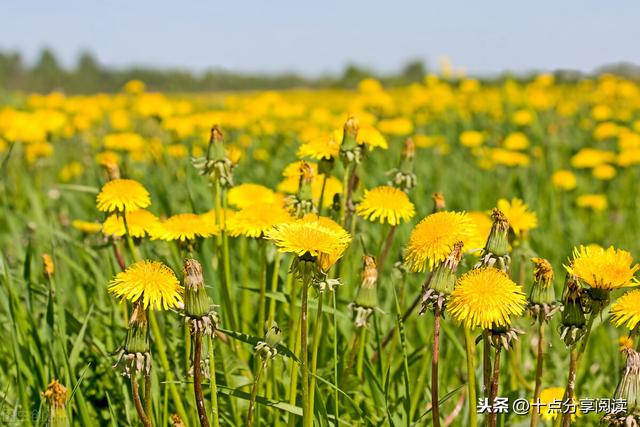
{"x": 197, "y": 303}
{"x": 498, "y": 241}
{"x": 368, "y": 292}
{"x": 439, "y": 202}
{"x": 56, "y": 397}
{"x": 48, "y": 267}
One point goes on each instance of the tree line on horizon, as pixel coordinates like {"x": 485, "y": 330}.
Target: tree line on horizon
{"x": 47, "y": 74}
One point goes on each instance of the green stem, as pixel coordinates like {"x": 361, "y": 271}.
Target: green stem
{"x": 317, "y": 337}
{"x": 495, "y": 381}
{"x": 386, "y": 246}
{"x": 362, "y": 341}
{"x": 138, "y": 403}
{"x": 471, "y": 377}
{"x": 262, "y": 243}
{"x": 254, "y": 394}
{"x": 539, "y": 365}
{"x": 213, "y": 385}
{"x": 486, "y": 362}
{"x": 274, "y": 288}
{"x": 336, "y": 397}
{"x": 197, "y": 381}
{"x": 164, "y": 362}
{"x": 307, "y": 418}
{"x": 435, "y": 404}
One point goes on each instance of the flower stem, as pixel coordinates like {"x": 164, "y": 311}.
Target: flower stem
{"x": 213, "y": 384}
{"x": 539, "y": 366}
{"x": 362, "y": 340}
{"x": 336, "y": 397}
{"x": 575, "y": 356}
{"x": 307, "y": 418}
{"x": 317, "y": 337}
{"x": 486, "y": 361}
{"x": 386, "y": 246}
{"x": 137, "y": 402}
{"x": 471, "y": 377}
{"x": 435, "y": 405}
{"x": 274, "y": 288}
{"x": 262, "y": 248}
{"x": 254, "y": 394}
{"x": 495, "y": 381}
{"x": 164, "y": 362}
{"x": 197, "y": 380}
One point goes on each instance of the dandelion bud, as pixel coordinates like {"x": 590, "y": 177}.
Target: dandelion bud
{"x": 628, "y": 390}
{"x": 302, "y": 203}
{"x": 367, "y": 297}
{"x": 56, "y": 397}
{"x": 113, "y": 171}
{"x": 137, "y": 340}
{"x": 267, "y": 349}
{"x": 442, "y": 282}
{"x": 215, "y": 151}
{"x": 573, "y": 316}
{"x": 439, "y": 203}
{"x": 196, "y": 300}
{"x": 542, "y": 291}
{"x": 542, "y": 303}
{"x": 368, "y": 293}
{"x": 48, "y": 267}
{"x": 216, "y": 165}
{"x": 176, "y": 421}
{"x": 498, "y": 241}
{"x": 403, "y": 177}
{"x": 350, "y": 151}
{"x": 351, "y": 128}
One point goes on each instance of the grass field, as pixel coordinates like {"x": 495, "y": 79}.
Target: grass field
{"x": 569, "y": 151}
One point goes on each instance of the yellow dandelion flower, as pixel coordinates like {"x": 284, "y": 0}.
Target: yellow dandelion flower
{"x": 516, "y": 141}
{"x": 371, "y": 137}
{"x": 601, "y": 268}
{"x": 626, "y": 310}
{"x": 151, "y": 281}
{"x": 604, "y": 172}
{"x": 184, "y": 227}
{"x": 245, "y": 195}
{"x": 122, "y": 195}
{"x": 140, "y": 223}
{"x": 432, "y": 240}
{"x": 486, "y": 297}
{"x": 255, "y": 220}
{"x": 591, "y": 157}
{"x": 596, "y": 202}
{"x": 318, "y": 237}
{"x": 552, "y": 398}
{"x": 564, "y": 180}
{"x": 107, "y": 158}
{"x": 321, "y": 147}
{"x": 388, "y": 204}
{"x": 471, "y": 138}
{"x": 87, "y": 227}
{"x": 519, "y": 216}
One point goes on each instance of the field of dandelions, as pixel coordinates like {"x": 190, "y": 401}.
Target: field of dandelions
{"x": 383, "y": 256}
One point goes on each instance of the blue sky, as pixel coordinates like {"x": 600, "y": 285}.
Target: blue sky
{"x": 322, "y": 36}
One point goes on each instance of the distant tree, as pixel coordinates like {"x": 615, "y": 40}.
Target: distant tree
{"x": 47, "y": 74}
{"x": 353, "y": 75}
{"x": 11, "y": 71}
{"x": 414, "y": 71}
{"x": 88, "y": 76}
